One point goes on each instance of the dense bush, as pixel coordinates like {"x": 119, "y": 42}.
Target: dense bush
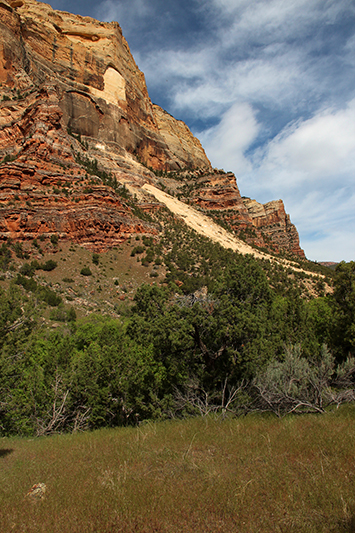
{"x": 28, "y": 270}
{"x": 137, "y": 250}
{"x": 5, "y": 257}
{"x": 299, "y": 384}
{"x": 54, "y": 239}
{"x": 85, "y": 271}
{"x": 48, "y": 265}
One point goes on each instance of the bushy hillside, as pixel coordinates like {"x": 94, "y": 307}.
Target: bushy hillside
{"x": 177, "y": 320}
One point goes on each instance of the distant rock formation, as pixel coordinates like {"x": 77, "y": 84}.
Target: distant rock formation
{"x": 77, "y": 126}
{"x": 275, "y": 224}
{"x": 264, "y": 225}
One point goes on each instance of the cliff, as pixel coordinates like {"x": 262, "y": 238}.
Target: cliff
{"x": 77, "y": 126}
{"x": 263, "y": 225}
{"x": 100, "y": 90}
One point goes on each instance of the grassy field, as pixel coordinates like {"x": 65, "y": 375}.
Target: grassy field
{"x": 255, "y": 474}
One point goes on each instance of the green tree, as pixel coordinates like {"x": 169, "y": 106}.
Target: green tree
{"x": 344, "y": 302}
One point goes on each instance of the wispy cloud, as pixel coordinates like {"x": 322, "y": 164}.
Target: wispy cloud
{"x": 316, "y": 149}
{"x": 227, "y": 142}
{"x": 310, "y": 164}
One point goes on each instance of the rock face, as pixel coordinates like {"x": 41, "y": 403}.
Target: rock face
{"x": 46, "y": 188}
{"x": 267, "y": 226}
{"x": 100, "y": 90}
{"x": 77, "y": 126}
{"x": 275, "y": 224}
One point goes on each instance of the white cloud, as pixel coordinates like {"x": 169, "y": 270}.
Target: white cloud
{"x": 275, "y": 80}
{"x": 183, "y": 64}
{"x": 283, "y": 17}
{"x": 321, "y": 148}
{"x": 337, "y": 245}
{"x": 200, "y": 84}
{"x": 226, "y": 143}
{"x": 258, "y": 58}
{"x": 310, "y": 165}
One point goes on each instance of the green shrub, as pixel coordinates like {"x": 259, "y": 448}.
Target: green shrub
{"x": 137, "y": 250}
{"x": 49, "y": 265}
{"x": 61, "y": 315}
{"x": 49, "y": 296}
{"x": 5, "y": 257}
{"x": 18, "y": 250}
{"x": 54, "y": 239}
{"x": 28, "y": 269}
{"x": 28, "y": 284}
{"x": 58, "y": 314}
{"x": 71, "y": 315}
{"x": 86, "y": 271}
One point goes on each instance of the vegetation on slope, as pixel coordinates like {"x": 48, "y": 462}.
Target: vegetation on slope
{"x": 231, "y": 318}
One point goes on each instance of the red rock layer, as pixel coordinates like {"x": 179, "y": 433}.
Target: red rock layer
{"x": 45, "y": 191}
{"x": 266, "y": 226}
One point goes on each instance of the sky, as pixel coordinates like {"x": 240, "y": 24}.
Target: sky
{"x": 268, "y": 86}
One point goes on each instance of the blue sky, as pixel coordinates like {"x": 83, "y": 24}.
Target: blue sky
{"x": 268, "y": 86}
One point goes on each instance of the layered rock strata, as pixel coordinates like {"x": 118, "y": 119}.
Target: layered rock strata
{"x": 101, "y": 91}
{"x": 263, "y": 225}
{"x": 46, "y": 190}
{"x": 76, "y": 123}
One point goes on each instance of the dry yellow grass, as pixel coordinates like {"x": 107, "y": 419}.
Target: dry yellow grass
{"x": 256, "y": 474}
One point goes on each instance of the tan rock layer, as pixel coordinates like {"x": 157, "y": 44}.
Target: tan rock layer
{"x": 101, "y": 91}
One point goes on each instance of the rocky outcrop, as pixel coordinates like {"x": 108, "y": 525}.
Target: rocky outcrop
{"x": 183, "y": 146}
{"x": 263, "y": 225}
{"x": 77, "y": 126}
{"x": 275, "y": 224}
{"x": 101, "y": 91}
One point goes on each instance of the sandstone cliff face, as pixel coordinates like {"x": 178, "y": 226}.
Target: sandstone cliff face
{"x": 76, "y": 119}
{"x": 266, "y": 226}
{"x": 183, "y": 146}
{"x": 275, "y": 224}
{"x": 45, "y": 190}
{"x": 101, "y": 91}
{"x": 60, "y": 73}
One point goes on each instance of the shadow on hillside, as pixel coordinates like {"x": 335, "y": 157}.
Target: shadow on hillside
{"x": 5, "y": 451}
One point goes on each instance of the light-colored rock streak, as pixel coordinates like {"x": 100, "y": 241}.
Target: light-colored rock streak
{"x": 115, "y": 87}
{"x": 205, "y": 226}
